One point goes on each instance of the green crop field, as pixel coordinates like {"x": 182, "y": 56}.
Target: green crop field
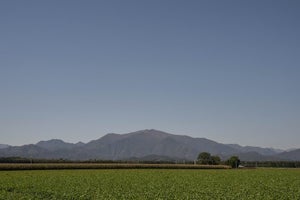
{"x": 151, "y": 184}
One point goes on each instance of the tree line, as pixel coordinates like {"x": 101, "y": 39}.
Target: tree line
{"x": 279, "y": 164}
{"x": 203, "y": 158}
{"x": 206, "y": 158}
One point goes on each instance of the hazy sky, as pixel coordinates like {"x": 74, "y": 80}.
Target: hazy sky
{"x": 224, "y": 70}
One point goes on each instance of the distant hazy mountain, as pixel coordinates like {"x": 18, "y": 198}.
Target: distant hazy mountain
{"x": 145, "y": 144}
{"x": 155, "y": 158}
{"x": 290, "y": 155}
{"x": 28, "y": 151}
{"x": 3, "y": 146}
{"x": 255, "y": 156}
{"x": 55, "y": 144}
{"x": 153, "y": 142}
{"x": 260, "y": 150}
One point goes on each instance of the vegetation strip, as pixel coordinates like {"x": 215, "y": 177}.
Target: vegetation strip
{"x": 257, "y": 184}
{"x": 48, "y": 166}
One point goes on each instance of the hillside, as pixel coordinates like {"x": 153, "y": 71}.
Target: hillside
{"x": 144, "y": 144}
{"x": 290, "y": 155}
{"x": 3, "y": 146}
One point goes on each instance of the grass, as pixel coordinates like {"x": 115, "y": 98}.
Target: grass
{"x": 151, "y": 184}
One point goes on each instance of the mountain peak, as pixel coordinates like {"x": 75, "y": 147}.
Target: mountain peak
{"x": 80, "y": 144}
{"x": 55, "y": 144}
{"x": 149, "y": 132}
{"x": 141, "y": 144}
{"x": 51, "y": 141}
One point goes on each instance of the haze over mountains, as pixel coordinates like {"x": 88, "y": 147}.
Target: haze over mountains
{"x": 3, "y": 146}
{"x": 144, "y": 145}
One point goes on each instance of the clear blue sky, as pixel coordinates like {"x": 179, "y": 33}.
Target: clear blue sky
{"x": 223, "y": 70}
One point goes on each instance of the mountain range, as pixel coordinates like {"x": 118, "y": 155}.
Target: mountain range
{"x": 147, "y": 144}
{"x": 3, "y": 146}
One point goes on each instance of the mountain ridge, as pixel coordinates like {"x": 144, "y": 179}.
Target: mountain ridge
{"x": 143, "y": 144}
{"x": 3, "y": 146}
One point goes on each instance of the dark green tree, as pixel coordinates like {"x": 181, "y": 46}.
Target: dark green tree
{"x": 233, "y": 161}
{"x": 216, "y": 160}
{"x": 204, "y": 158}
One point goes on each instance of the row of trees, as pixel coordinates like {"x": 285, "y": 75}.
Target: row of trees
{"x": 284, "y": 164}
{"x": 206, "y": 158}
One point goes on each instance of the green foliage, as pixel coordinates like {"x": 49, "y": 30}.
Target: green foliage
{"x": 47, "y": 166}
{"x": 216, "y": 160}
{"x": 206, "y": 159}
{"x": 279, "y": 164}
{"x": 233, "y": 161}
{"x": 254, "y": 184}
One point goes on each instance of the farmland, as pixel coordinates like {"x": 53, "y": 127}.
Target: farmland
{"x": 151, "y": 184}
